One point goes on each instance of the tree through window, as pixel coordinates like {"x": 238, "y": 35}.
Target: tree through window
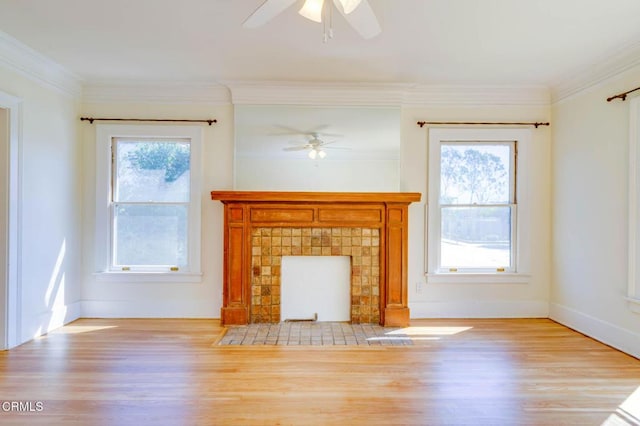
{"x": 151, "y": 194}
{"x": 477, "y": 205}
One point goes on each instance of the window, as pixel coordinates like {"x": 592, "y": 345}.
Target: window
{"x": 474, "y": 216}
{"x": 148, "y": 201}
{"x": 477, "y": 206}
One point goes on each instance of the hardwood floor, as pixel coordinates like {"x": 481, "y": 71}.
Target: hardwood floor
{"x": 459, "y": 372}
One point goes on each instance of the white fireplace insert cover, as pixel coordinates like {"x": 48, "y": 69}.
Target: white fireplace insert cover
{"x": 315, "y": 285}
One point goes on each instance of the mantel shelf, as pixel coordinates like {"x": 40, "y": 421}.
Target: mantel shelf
{"x": 315, "y": 197}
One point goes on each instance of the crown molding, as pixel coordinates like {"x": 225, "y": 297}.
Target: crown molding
{"x": 316, "y": 93}
{"x": 624, "y": 59}
{"x": 31, "y": 64}
{"x": 435, "y": 95}
{"x": 167, "y": 92}
{"x": 381, "y": 94}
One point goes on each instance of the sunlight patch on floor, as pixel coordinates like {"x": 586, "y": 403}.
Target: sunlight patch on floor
{"x": 397, "y": 338}
{"x": 628, "y": 413}
{"x": 428, "y": 331}
{"x": 77, "y": 329}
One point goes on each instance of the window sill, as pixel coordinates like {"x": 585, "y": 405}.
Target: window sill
{"x": 149, "y": 277}
{"x": 633, "y": 304}
{"x": 476, "y": 278}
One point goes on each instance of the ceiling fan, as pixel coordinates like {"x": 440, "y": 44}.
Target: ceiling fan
{"x": 358, "y": 14}
{"x": 315, "y": 146}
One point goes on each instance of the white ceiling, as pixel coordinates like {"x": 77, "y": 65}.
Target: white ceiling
{"x": 483, "y": 42}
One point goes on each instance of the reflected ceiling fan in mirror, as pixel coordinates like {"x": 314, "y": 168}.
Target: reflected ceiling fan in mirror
{"x": 358, "y": 14}
{"x": 315, "y": 146}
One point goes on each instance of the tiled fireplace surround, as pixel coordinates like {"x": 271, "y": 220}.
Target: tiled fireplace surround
{"x": 261, "y": 227}
{"x": 268, "y": 245}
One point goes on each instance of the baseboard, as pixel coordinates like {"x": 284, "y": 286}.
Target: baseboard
{"x": 480, "y": 309}
{"x": 47, "y": 321}
{"x": 610, "y": 334}
{"x": 74, "y": 311}
{"x": 154, "y": 309}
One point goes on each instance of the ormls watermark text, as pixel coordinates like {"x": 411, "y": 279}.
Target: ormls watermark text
{"x": 21, "y": 406}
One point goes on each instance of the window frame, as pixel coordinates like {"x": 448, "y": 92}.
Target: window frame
{"x": 105, "y": 136}
{"x": 520, "y": 238}
{"x": 512, "y": 205}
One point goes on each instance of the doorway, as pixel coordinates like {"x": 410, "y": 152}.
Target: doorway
{"x": 10, "y": 201}
{"x": 4, "y": 224}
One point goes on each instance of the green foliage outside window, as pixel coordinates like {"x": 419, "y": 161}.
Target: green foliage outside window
{"x": 173, "y": 158}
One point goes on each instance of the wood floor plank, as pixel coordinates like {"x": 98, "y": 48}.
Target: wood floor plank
{"x": 459, "y": 372}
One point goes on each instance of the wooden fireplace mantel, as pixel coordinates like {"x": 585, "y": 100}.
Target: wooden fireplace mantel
{"x": 248, "y": 210}
{"x": 311, "y": 197}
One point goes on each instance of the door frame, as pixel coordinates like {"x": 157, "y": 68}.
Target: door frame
{"x": 13, "y": 293}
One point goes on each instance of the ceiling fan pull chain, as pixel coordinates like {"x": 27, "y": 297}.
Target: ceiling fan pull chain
{"x": 330, "y": 6}
{"x": 324, "y": 24}
{"x": 327, "y": 15}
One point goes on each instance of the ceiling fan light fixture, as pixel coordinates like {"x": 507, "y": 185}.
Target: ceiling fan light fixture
{"x": 349, "y": 5}
{"x": 312, "y": 9}
{"x": 312, "y": 154}
{"x": 322, "y": 154}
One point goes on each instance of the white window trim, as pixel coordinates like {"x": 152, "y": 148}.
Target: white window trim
{"x": 633, "y": 291}
{"x": 522, "y": 239}
{"x": 104, "y": 135}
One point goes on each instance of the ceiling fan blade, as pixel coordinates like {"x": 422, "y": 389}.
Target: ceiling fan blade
{"x": 331, "y": 135}
{"x": 289, "y": 131}
{"x": 342, "y": 148}
{"x": 265, "y": 12}
{"x": 363, "y": 20}
{"x": 296, "y": 148}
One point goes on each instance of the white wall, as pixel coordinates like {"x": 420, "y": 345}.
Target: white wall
{"x": 277, "y": 174}
{"x": 204, "y": 299}
{"x": 473, "y": 299}
{"x": 149, "y": 299}
{"x": 365, "y": 156}
{"x": 450, "y": 300}
{"x": 51, "y": 206}
{"x": 590, "y": 214}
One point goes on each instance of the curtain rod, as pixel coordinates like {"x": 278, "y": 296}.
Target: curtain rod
{"x": 92, "y": 119}
{"x": 536, "y": 125}
{"x": 622, "y": 96}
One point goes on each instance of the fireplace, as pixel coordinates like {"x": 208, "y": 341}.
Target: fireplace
{"x": 261, "y": 227}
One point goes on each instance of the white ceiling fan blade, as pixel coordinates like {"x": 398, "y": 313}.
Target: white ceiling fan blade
{"x": 341, "y": 148}
{"x": 363, "y": 20}
{"x": 290, "y": 131}
{"x": 296, "y": 148}
{"x": 331, "y": 135}
{"x": 267, "y": 11}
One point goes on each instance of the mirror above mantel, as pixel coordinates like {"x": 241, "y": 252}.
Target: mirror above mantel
{"x": 309, "y": 148}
